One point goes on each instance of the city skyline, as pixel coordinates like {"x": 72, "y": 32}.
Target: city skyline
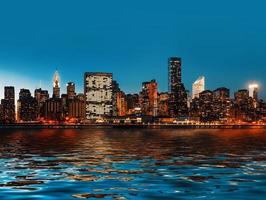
{"x": 103, "y": 100}
{"x": 48, "y": 85}
{"x": 133, "y": 40}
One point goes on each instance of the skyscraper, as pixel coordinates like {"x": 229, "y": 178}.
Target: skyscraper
{"x": 121, "y": 103}
{"x": 56, "y": 84}
{"x": 41, "y": 96}
{"x": 174, "y": 74}
{"x": 198, "y": 87}
{"x": 253, "y": 91}
{"x": 178, "y": 96}
{"x": 149, "y": 98}
{"x": 99, "y": 94}
{"x": 71, "y": 90}
{"x": 9, "y": 105}
{"x": 27, "y": 106}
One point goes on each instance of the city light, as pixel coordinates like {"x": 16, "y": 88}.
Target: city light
{"x": 104, "y": 102}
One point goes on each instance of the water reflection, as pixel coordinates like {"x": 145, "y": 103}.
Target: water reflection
{"x": 132, "y": 164}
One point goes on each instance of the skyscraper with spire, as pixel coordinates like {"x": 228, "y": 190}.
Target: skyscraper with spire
{"x": 56, "y": 85}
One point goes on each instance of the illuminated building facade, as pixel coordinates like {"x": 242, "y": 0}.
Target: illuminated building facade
{"x": 8, "y": 104}
{"x": 99, "y": 94}
{"x": 116, "y": 90}
{"x": 178, "y": 96}
{"x": 253, "y": 91}
{"x": 222, "y": 104}
{"x": 76, "y": 107}
{"x": 53, "y": 109}
{"x": 198, "y": 87}
{"x": 133, "y": 104}
{"x": 71, "y": 93}
{"x": 121, "y": 104}
{"x": 244, "y": 109}
{"x": 56, "y": 83}
{"x": 149, "y": 98}
{"x": 206, "y": 106}
{"x": 163, "y": 100}
{"x": 41, "y": 96}
{"x": 27, "y": 107}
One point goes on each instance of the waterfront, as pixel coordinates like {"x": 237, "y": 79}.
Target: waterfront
{"x": 133, "y": 164}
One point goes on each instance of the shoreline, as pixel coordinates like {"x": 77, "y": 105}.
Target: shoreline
{"x": 127, "y": 126}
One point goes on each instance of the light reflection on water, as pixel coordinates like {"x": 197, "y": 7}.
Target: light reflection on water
{"x": 132, "y": 164}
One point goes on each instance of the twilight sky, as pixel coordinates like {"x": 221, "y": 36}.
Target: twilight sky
{"x": 223, "y": 40}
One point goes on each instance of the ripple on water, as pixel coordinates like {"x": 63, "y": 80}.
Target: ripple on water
{"x": 133, "y": 164}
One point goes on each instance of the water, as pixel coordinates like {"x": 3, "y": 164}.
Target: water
{"x": 132, "y": 164}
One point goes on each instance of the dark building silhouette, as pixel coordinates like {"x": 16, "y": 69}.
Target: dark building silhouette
{"x": 116, "y": 90}
{"x": 27, "y": 107}
{"x": 41, "y": 97}
{"x": 53, "y": 109}
{"x": 8, "y": 103}
{"x": 133, "y": 104}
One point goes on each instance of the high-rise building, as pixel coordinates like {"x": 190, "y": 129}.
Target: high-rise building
{"x": 116, "y": 90}
{"x": 9, "y": 105}
{"x": 121, "y": 103}
{"x": 242, "y": 105}
{"x": 99, "y": 94}
{"x": 133, "y": 104}
{"x": 222, "y": 104}
{"x": 163, "y": 110}
{"x": 76, "y": 108}
{"x": 56, "y": 84}
{"x": 198, "y": 87}
{"x": 253, "y": 91}
{"x": 53, "y": 109}
{"x": 71, "y": 90}
{"x": 149, "y": 98}
{"x": 178, "y": 96}
{"x": 27, "y": 106}
{"x": 41, "y": 96}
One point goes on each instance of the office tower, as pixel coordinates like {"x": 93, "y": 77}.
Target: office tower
{"x": 71, "y": 90}
{"x": 177, "y": 91}
{"x": 121, "y": 103}
{"x": 56, "y": 84}
{"x": 41, "y": 96}
{"x": 242, "y": 105}
{"x": 253, "y": 91}
{"x": 116, "y": 90}
{"x": 27, "y": 107}
{"x": 76, "y": 108}
{"x": 198, "y": 87}
{"x": 221, "y": 93}
{"x": 222, "y": 104}
{"x": 133, "y": 104}
{"x": 241, "y": 96}
{"x": 163, "y": 110}
{"x": 99, "y": 95}
{"x": 9, "y": 105}
{"x": 206, "y": 106}
{"x": 64, "y": 105}
{"x": 53, "y": 109}
{"x": 149, "y": 98}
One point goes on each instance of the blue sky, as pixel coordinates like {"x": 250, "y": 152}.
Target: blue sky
{"x": 223, "y": 40}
